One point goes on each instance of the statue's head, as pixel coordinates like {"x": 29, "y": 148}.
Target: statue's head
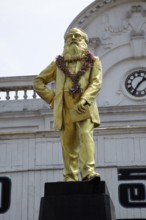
{"x": 76, "y": 43}
{"x": 77, "y": 34}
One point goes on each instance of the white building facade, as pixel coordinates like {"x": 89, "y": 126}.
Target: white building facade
{"x": 30, "y": 151}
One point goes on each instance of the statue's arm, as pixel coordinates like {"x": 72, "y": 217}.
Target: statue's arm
{"x": 95, "y": 82}
{"x": 40, "y": 83}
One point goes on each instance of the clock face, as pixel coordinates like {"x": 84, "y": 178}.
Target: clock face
{"x": 135, "y": 83}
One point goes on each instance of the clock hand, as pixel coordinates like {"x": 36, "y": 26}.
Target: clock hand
{"x": 143, "y": 79}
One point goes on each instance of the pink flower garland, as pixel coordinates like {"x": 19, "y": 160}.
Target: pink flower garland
{"x": 88, "y": 60}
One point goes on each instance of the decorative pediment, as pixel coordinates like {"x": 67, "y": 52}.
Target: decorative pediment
{"x": 136, "y": 19}
{"x": 106, "y": 20}
{"x": 132, "y": 25}
{"x": 90, "y": 11}
{"x": 117, "y": 34}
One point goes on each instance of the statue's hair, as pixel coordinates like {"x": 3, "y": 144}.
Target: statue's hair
{"x": 85, "y": 36}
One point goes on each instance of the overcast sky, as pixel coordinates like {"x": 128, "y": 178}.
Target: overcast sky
{"x": 31, "y": 33}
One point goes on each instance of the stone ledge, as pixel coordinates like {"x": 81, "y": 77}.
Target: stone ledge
{"x": 55, "y": 134}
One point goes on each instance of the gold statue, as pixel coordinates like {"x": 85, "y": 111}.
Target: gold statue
{"x": 78, "y": 77}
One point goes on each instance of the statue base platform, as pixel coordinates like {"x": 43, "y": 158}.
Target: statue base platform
{"x": 76, "y": 201}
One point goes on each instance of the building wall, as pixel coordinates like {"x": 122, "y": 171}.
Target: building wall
{"x": 30, "y": 159}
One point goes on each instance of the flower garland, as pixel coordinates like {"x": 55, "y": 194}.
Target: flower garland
{"x": 88, "y": 60}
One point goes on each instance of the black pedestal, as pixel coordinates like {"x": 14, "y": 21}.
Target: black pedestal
{"x": 76, "y": 201}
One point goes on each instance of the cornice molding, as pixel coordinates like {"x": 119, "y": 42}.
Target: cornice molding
{"x": 95, "y": 7}
{"x": 90, "y": 10}
{"x": 114, "y": 130}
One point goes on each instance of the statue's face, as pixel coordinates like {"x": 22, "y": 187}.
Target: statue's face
{"x": 75, "y": 45}
{"x": 74, "y": 37}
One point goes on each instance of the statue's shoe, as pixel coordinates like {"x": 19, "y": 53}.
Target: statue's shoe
{"x": 92, "y": 177}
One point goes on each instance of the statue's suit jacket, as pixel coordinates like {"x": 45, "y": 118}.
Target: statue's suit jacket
{"x": 90, "y": 84}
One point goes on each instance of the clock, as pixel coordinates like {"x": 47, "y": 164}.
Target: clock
{"x": 135, "y": 83}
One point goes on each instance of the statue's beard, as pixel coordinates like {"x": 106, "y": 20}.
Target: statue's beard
{"x": 74, "y": 51}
